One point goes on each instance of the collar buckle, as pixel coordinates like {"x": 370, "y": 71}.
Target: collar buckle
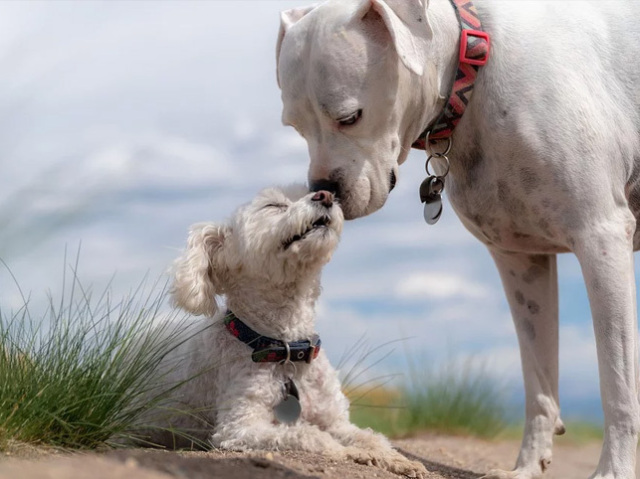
{"x": 474, "y": 47}
{"x": 314, "y": 348}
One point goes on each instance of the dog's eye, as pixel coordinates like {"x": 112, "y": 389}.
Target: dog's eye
{"x": 351, "y": 119}
{"x": 280, "y": 206}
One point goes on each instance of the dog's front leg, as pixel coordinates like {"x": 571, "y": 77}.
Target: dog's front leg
{"x": 531, "y": 286}
{"x": 606, "y": 257}
{"x": 250, "y": 430}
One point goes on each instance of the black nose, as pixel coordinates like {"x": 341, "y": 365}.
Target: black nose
{"x": 324, "y": 197}
{"x": 324, "y": 185}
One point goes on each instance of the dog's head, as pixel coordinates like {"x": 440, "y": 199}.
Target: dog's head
{"x": 283, "y": 236}
{"x": 353, "y": 76}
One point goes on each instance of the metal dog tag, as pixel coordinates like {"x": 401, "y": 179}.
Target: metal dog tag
{"x": 433, "y": 210}
{"x": 430, "y": 194}
{"x": 288, "y": 410}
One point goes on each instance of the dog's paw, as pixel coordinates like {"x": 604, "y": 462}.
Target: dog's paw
{"x": 390, "y": 460}
{"x": 405, "y": 467}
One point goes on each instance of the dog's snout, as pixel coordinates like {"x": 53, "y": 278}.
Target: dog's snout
{"x": 324, "y": 197}
{"x": 324, "y": 185}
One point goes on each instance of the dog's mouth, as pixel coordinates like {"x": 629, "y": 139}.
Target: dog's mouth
{"x": 321, "y": 223}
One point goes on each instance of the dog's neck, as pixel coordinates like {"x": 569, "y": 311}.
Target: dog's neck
{"x": 442, "y": 66}
{"x": 286, "y": 312}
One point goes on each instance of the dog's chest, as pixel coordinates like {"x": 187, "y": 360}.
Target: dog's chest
{"x": 514, "y": 212}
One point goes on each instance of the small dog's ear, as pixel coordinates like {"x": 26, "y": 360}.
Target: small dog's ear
{"x": 199, "y": 271}
{"x": 407, "y": 22}
{"x": 287, "y": 19}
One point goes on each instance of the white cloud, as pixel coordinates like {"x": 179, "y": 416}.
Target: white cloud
{"x": 439, "y": 285}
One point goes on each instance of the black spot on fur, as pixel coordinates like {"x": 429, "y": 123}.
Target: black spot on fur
{"x": 496, "y": 235}
{"x": 503, "y": 192}
{"x": 545, "y": 227}
{"x": 470, "y": 162}
{"x": 533, "y": 273}
{"x": 533, "y": 307}
{"x": 513, "y": 205}
{"x": 517, "y": 235}
{"x": 519, "y": 297}
{"x": 539, "y": 259}
{"x": 529, "y": 179}
{"x": 529, "y": 329}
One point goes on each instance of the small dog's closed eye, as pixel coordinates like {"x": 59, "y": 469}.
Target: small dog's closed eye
{"x": 263, "y": 381}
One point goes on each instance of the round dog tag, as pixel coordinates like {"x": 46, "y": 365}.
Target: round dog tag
{"x": 433, "y": 210}
{"x": 288, "y": 410}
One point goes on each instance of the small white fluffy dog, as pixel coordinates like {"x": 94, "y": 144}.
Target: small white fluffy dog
{"x": 267, "y": 262}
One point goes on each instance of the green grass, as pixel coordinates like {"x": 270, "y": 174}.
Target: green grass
{"x": 578, "y": 432}
{"x": 83, "y": 374}
{"x": 461, "y": 398}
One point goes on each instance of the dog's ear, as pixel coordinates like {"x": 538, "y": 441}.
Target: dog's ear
{"x": 199, "y": 272}
{"x": 407, "y": 22}
{"x": 288, "y": 18}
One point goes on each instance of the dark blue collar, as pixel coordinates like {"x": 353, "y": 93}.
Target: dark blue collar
{"x": 266, "y": 350}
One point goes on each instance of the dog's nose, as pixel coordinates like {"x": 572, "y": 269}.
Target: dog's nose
{"x": 324, "y": 185}
{"x": 324, "y": 197}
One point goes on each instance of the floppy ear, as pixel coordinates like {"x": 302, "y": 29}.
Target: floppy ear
{"x": 407, "y": 22}
{"x": 200, "y": 269}
{"x": 288, "y": 18}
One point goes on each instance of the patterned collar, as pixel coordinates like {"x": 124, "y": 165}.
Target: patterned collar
{"x": 474, "y": 52}
{"x": 269, "y": 350}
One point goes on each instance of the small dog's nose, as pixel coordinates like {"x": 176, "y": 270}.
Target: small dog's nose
{"x": 324, "y": 197}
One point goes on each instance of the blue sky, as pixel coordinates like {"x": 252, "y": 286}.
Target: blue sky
{"x": 122, "y": 123}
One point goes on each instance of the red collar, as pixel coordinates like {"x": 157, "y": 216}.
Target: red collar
{"x": 474, "y": 52}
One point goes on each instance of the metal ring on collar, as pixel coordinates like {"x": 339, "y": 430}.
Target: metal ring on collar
{"x": 288, "y": 358}
{"x": 439, "y": 155}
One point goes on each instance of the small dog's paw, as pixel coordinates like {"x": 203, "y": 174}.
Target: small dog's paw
{"x": 389, "y": 460}
{"x": 405, "y": 467}
{"x": 361, "y": 456}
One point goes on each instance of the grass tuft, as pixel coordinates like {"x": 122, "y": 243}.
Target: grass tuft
{"x": 82, "y": 375}
{"x": 461, "y": 398}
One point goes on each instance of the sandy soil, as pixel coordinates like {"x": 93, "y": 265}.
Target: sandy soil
{"x": 446, "y": 457}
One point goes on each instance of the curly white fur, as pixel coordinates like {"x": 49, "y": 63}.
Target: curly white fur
{"x": 272, "y": 284}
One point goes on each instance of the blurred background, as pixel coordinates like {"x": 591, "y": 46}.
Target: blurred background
{"x": 122, "y": 123}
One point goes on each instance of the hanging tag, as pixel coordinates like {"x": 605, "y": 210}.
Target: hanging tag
{"x": 288, "y": 410}
{"x": 430, "y": 194}
{"x": 433, "y": 210}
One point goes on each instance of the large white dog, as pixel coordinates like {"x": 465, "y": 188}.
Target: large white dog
{"x": 545, "y": 160}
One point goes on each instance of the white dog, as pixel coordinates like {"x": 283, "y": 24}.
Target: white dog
{"x": 244, "y": 393}
{"x": 545, "y": 160}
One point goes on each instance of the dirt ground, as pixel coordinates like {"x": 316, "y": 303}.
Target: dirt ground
{"x": 444, "y": 456}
